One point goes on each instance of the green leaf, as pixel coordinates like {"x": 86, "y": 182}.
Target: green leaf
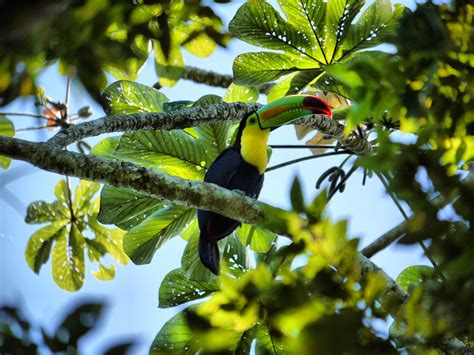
{"x": 201, "y": 46}
{"x": 308, "y": 16}
{"x": 104, "y": 273}
{"x": 68, "y": 259}
{"x": 125, "y": 97}
{"x": 375, "y": 24}
{"x": 296, "y": 196}
{"x": 61, "y": 192}
{"x": 39, "y": 245}
{"x": 173, "y": 152}
{"x": 339, "y": 16}
{"x": 82, "y": 203}
{"x": 266, "y": 343}
{"x": 207, "y": 100}
{"x": 412, "y": 276}
{"x": 193, "y": 229}
{"x": 125, "y": 208}
{"x": 191, "y": 264}
{"x": 176, "y": 289}
{"x": 258, "y": 23}
{"x": 111, "y": 240}
{"x": 261, "y": 67}
{"x": 142, "y": 241}
{"x": 41, "y": 212}
{"x": 293, "y": 83}
{"x": 234, "y": 255}
{"x": 169, "y": 69}
{"x": 216, "y": 136}
{"x": 175, "y": 336}
{"x": 237, "y": 93}
{"x": 259, "y": 239}
{"x": 177, "y": 105}
{"x": 6, "y": 129}
{"x": 106, "y": 147}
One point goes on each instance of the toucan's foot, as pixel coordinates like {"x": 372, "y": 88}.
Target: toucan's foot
{"x": 209, "y": 254}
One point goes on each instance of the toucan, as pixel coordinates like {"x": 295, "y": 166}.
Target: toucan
{"x": 241, "y": 167}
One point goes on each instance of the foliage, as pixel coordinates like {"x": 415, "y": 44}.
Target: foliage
{"x": 314, "y": 35}
{"x": 6, "y": 129}
{"x": 308, "y": 294}
{"x": 20, "y": 335}
{"x": 65, "y": 236}
{"x": 90, "y": 37}
{"x": 285, "y": 309}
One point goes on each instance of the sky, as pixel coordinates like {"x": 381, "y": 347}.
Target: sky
{"x": 132, "y": 297}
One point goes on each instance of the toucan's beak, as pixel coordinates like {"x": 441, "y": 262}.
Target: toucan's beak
{"x": 287, "y": 109}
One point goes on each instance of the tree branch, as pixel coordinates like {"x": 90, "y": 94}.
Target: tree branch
{"x": 211, "y": 78}
{"x": 189, "y": 117}
{"x": 385, "y": 240}
{"x": 333, "y": 128}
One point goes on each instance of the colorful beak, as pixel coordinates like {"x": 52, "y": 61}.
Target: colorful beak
{"x": 288, "y": 109}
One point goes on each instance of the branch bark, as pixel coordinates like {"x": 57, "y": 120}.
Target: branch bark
{"x": 214, "y": 79}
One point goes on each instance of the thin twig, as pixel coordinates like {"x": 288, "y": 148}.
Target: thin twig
{"x": 28, "y": 114}
{"x": 302, "y": 146}
{"x": 35, "y": 128}
{"x": 294, "y": 161}
{"x": 385, "y": 240}
{"x": 405, "y": 216}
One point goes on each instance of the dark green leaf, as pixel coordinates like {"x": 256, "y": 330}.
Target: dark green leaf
{"x": 125, "y": 208}
{"x": 142, "y": 241}
{"x": 176, "y": 289}
{"x": 412, "y": 276}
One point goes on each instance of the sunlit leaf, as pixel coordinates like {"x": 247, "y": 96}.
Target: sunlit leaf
{"x": 85, "y": 190}
{"x": 191, "y": 264}
{"x": 106, "y": 147}
{"x": 68, "y": 259}
{"x": 42, "y": 211}
{"x": 168, "y": 68}
{"x": 413, "y": 276}
{"x": 175, "y": 336}
{"x": 257, "y": 23}
{"x": 105, "y": 273}
{"x": 40, "y": 243}
{"x": 293, "y": 83}
{"x": 125, "y": 97}
{"x": 142, "y": 241}
{"x": 259, "y": 239}
{"x": 173, "y": 152}
{"x": 176, "y": 289}
{"x": 6, "y": 129}
{"x": 237, "y": 93}
{"x": 111, "y": 240}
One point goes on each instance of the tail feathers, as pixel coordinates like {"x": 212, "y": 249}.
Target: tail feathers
{"x": 209, "y": 254}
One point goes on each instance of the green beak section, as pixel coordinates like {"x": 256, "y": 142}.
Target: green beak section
{"x": 288, "y": 109}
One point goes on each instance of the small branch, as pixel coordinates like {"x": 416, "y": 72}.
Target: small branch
{"x": 385, "y": 240}
{"x": 303, "y": 146}
{"x": 25, "y": 114}
{"x": 35, "y": 128}
{"x": 185, "y": 118}
{"x": 294, "y": 161}
{"x": 353, "y": 142}
{"x": 211, "y": 78}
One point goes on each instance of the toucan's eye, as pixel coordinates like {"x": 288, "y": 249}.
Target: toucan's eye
{"x": 252, "y": 120}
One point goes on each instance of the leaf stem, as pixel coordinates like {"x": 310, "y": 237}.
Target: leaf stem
{"x": 302, "y": 146}
{"x": 28, "y": 114}
{"x": 294, "y": 161}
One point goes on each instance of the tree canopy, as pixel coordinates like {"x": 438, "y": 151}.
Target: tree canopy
{"x": 292, "y": 281}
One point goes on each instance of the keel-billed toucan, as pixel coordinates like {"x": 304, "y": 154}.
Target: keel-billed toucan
{"x": 241, "y": 166}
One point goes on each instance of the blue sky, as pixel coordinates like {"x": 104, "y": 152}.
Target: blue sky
{"x": 133, "y": 295}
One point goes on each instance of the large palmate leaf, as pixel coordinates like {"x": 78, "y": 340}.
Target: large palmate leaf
{"x": 69, "y": 217}
{"x": 125, "y": 208}
{"x": 142, "y": 241}
{"x": 315, "y": 34}
{"x": 127, "y": 97}
{"x": 177, "y": 289}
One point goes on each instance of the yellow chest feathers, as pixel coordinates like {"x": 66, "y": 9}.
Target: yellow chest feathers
{"x": 253, "y": 147}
